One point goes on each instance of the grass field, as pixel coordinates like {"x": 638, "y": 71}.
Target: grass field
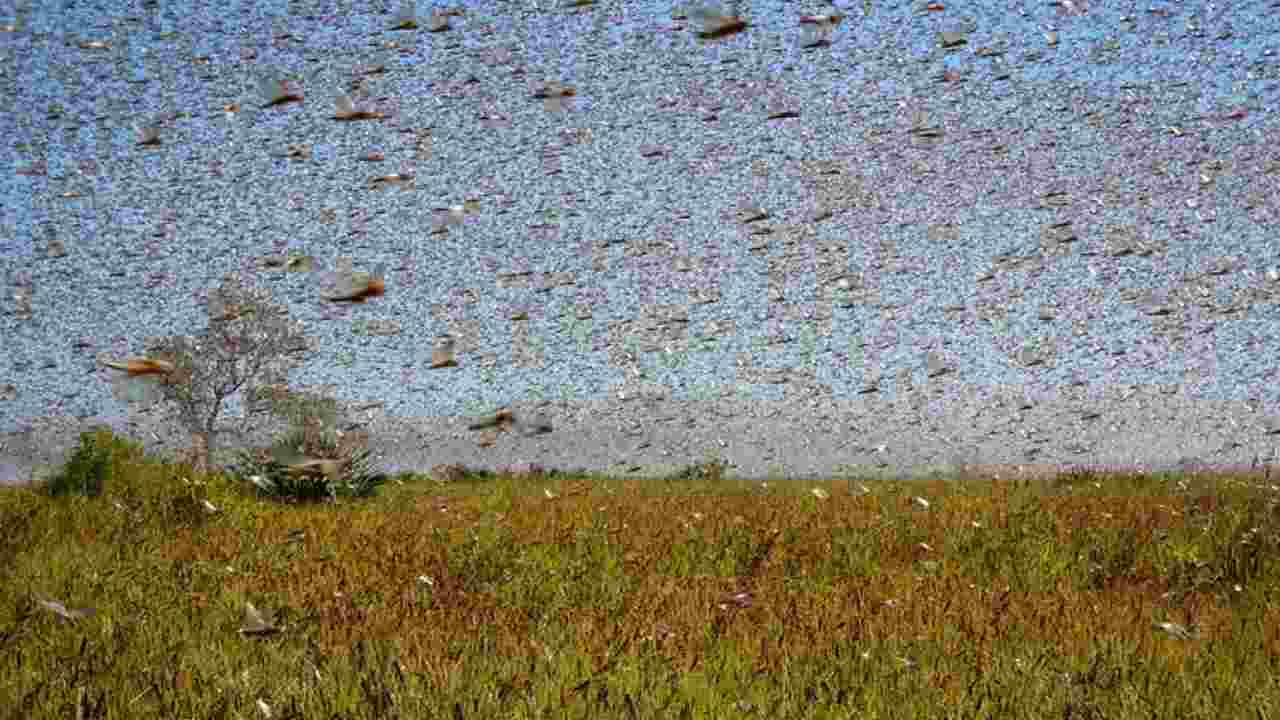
{"x": 1087, "y": 596}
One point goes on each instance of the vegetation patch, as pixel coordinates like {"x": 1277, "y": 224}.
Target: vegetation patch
{"x": 168, "y": 594}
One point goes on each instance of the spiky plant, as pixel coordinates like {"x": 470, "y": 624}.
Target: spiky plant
{"x": 310, "y": 464}
{"x": 713, "y": 470}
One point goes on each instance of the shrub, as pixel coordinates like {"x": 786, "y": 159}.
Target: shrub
{"x": 713, "y": 470}
{"x": 307, "y": 465}
{"x": 89, "y": 467}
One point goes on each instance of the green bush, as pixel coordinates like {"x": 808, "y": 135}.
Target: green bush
{"x": 713, "y": 470}
{"x": 89, "y": 467}
{"x": 282, "y": 472}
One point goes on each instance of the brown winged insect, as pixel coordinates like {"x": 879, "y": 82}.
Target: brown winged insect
{"x": 255, "y": 623}
{"x": 140, "y": 380}
{"x": 714, "y": 21}
{"x": 276, "y": 93}
{"x": 403, "y": 180}
{"x": 148, "y": 135}
{"x": 554, "y": 96}
{"x": 442, "y": 354}
{"x": 816, "y": 29}
{"x": 61, "y": 610}
{"x": 346, "y": 285}
{"x": 345, "y": 109}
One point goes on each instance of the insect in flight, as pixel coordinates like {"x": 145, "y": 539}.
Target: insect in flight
{"x": 140, "y": 380}
{"x": 715, "y": 22}
{"x": 817, "y": 29}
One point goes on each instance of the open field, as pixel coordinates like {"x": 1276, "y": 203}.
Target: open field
{"x": 551, "y": 595}
{"x": 709, "y": 260}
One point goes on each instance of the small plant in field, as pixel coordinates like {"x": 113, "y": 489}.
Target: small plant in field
{"x": 284, "y": 473}
{"x": 312, "y": 461}
{"x": 87, "y": 470}
{"x": 273, "y": 479}
{"x": 713, "y": 470}
{"x": 249, "y": 340}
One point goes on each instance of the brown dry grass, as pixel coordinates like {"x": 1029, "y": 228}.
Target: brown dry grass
{"x": 522, "y": 596}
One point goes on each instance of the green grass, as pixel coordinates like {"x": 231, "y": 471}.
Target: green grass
{"x": 586, "y": 596}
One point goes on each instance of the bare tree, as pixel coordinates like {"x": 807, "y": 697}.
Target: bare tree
{"x": 250, "y": 342}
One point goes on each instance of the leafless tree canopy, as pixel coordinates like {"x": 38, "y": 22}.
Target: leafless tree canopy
{"x": 249, "y": 341}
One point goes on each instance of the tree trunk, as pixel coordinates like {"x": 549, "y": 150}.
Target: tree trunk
{"x": 199, "y": 454}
